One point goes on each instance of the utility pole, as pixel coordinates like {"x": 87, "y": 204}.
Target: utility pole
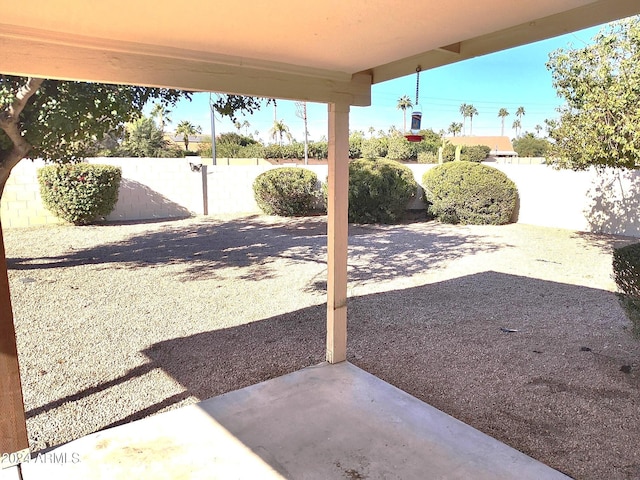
{"x": 301, "y": 112}
{"x": 213, "y": 128}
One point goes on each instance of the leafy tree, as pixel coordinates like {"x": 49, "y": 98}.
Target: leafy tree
{"x": 143, "y": 138}
{"x": 399, "y": 148}
{"x": 62, "y": 121}
{"x": 599, "y": 123}
{"x": 355, "y": 144}
{"x": 187, "y": 129}
{"x": 229, "y": 105}
{"x": 404, "y": 103}
{"x": 455, "y": 128}
{"x": 235, "y": 139}
{"x": 530, "y": 146}
{"x": 502, "y": 113}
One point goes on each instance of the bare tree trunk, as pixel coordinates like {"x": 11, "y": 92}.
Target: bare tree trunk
{"x": 10, "y": 124}
{"x": 7, "y": 164}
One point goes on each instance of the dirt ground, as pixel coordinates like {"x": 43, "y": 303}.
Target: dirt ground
{"x": 115, "y": 323}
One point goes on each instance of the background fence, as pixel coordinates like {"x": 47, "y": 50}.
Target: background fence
{"x": 154, "y": 188}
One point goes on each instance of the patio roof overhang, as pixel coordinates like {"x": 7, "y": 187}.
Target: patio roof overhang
{"x": 315, "y": 51}
{"x": 330, "y": 52}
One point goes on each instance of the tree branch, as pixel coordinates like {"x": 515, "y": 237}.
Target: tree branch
{"x": 10, "y": 124}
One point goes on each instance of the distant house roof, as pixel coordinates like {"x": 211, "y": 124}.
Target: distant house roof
{"x": 500, "y": 146}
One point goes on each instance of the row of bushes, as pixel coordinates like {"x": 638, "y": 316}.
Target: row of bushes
{"x": 380, "y": 190}
{"x": 392, "y": 147}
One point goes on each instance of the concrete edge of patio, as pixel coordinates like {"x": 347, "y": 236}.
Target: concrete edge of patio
{"x": 326, "y": 421}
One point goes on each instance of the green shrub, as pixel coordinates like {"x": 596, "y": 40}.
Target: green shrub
{"x": 318, "y": 150}
{"x": 449, "y": 153}
{"x": 626, "y": 269}
{"x": 427, "y": 157}
{"x": 468, "y": 153}
{"x": 372, "y": 148}
{"x": 470, "y": 193}
{"x": 379, "y": 190}
{"x": 474, "y": 153}
{"x": 399, "y": 148}
{"x": 626, "y": 272}
{"x": 81, "y": 192}
{"x": 287, "y": 191}
{"x": 293, "y": 151}
{"x": 251, "y": 151}
{"x": 530, "y": 146}
{"x": 355, "y": 144}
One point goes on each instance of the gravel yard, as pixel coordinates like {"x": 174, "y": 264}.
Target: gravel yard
{"x": 118, "y": 322}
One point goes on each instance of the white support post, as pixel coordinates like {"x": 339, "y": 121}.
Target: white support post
{"x": 337, "y": 232}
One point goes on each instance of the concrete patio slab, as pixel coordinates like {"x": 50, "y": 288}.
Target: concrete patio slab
{"x": 322, "y": 422}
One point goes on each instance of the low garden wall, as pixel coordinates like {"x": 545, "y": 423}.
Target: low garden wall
{"x": 170, "y": 188}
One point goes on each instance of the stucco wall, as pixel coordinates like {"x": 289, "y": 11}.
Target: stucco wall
{"x": 166, "y": 188}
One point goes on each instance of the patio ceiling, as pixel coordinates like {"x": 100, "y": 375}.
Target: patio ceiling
{"x": 316, "y": 51}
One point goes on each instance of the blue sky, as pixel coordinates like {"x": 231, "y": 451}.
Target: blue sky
{"x": 509, "y": 79}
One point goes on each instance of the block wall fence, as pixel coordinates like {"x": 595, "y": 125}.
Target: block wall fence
{"x": 589, "y": 201}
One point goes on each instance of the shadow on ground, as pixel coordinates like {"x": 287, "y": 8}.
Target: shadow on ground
{"x": 375, "y": 252}
{"x": 546, "y": 389}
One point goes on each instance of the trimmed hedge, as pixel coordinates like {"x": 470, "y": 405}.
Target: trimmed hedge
{"x": 469, "y": 193}
{"x": 287, "y": 191}
{"x": 379, "y": 190}
{"x": 626, "y": 272}
{"x": 81, "y": 192}
{"x": 468, "y": 153}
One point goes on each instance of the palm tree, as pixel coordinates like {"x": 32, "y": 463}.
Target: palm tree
{"x": 404, "y": 102}
{"x": 371, "y": 131}
{"x": 538, "y": 129}
{"x": 186, "y": 128}
{"x": 394, "y": 132}
{"x": 455, "y": 128}
{"x": 471, "y": 111}
{"x": 162, "y": 113}
{"x": 246, "y": 125}
{"x": 516, "y": 126}
{"x": 280, "y": 130}
{"x": 520, "y": 114}
{"x": 502, "y": 113}
{"x": 464, "y": 111}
